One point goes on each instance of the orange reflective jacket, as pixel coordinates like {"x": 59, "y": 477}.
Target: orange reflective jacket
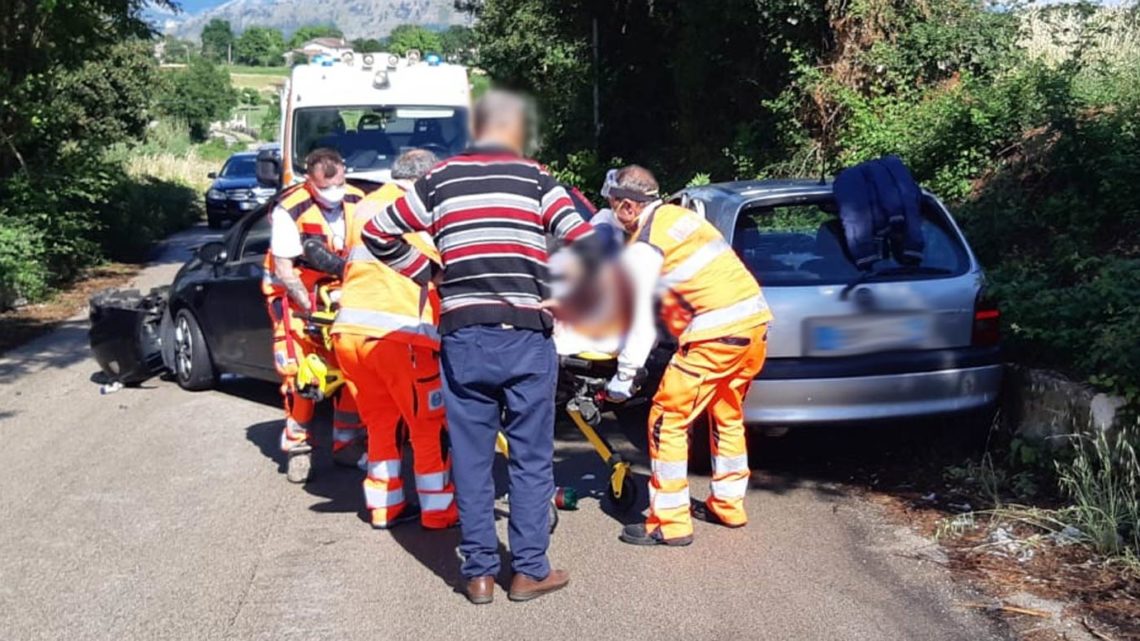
{"x": 377, "y": 301}
{"x": 311, "y": 223}
{"x": 706, "y": 292}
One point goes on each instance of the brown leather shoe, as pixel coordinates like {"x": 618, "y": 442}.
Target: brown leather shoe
{"x": 524, "y": 588}
{"x": 480, "y": 590}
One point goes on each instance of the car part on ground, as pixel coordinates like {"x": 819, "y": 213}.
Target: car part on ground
{"x": 124, "y": 334}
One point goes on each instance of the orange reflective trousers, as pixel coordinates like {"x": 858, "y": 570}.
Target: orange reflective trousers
{"x": 393, "y": 380}
{"x": 290, "y": 344}
{"x": 710, "y": 375}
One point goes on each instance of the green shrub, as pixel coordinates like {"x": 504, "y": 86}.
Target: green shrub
{"x": 142, "y": 211}
{"x": 23, "y": 275}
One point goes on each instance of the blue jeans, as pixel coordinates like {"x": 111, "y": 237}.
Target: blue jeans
{"x": 498, "y": 378}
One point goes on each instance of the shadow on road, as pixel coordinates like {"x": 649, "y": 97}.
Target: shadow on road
{"x": 65, "y": 346}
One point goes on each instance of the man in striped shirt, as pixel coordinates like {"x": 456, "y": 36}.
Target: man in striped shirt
{"x": 489, "y": 211}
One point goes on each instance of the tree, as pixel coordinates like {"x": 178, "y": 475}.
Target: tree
{"x": 260, "y": 46}
{"x": 176, "y": 50}
{"x": 199, "y": 94}
{"x": 367, "y": 44}
{"x": 458, "y": 43}
{"x": 409, "y": 36}
{"x": 42, "y": 42}
{"x": 217, "y": 38}
{"x": 307, "y": 33}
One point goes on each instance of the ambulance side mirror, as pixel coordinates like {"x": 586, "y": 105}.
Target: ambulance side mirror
{"x": 269, "y": 169}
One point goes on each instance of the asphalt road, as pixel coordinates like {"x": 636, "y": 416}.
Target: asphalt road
{"x": 155, "y": 513}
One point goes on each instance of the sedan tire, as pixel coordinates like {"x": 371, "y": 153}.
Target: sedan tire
{"x": 192, "y": 364}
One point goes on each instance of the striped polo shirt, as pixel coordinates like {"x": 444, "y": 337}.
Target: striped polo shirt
{"x": 488, "y": 211}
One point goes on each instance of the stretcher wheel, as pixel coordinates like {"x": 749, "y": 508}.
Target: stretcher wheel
{"x": 628, "y": 495}
{"x": 553, "y": 516}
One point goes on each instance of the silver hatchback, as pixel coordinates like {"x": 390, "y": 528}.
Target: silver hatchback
{"x": 847, "y": 345}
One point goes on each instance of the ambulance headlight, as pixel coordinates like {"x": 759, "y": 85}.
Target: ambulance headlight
{"x": 393, "y": 61}
{"x": 368, "y": 59}
{"x": 380, "y": 80}
{"x": 414, "y": 56}
{"x": 346, "y": 58}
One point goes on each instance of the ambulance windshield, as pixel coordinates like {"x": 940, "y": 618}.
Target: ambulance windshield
{"x": 370, "y": 138}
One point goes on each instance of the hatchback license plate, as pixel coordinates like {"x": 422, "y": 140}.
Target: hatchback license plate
{"x": 864, "y": 334}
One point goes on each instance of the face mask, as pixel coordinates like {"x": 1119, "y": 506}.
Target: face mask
{"x": 332, "y": 195}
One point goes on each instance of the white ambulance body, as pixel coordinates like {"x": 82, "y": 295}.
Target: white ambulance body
{"x": 371, "y": 108}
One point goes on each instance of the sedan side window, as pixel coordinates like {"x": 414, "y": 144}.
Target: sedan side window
{"x": 256, "y": 241}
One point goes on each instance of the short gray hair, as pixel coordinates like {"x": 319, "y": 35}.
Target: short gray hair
{"x": 413, "y": 164}
{"x": 499, "y": 107}
{"x": 638, "y": 179}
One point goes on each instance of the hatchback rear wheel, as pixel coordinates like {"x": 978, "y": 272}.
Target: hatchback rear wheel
{"x": 192, "y": 363}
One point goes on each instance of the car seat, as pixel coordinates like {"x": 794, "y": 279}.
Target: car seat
{"x": 832, "y": 257}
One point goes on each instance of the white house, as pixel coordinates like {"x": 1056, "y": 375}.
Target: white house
{"x": 330, "y": 46}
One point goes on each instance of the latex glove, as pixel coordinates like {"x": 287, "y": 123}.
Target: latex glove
{"x": 620, "y": 388}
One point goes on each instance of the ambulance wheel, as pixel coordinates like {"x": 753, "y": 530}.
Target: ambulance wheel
{"x": 192, "y": 364}
{"x": 553, "y": 516}
{"x": 628, "y": 495}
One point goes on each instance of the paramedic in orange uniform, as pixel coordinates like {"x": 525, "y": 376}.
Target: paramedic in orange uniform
{"x": 715, "y": 308}
{"x": 387, "y": 344}
{"x": 313, "y": 214}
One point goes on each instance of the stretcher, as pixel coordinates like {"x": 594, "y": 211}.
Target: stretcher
{"x": 317, "y": 379}
{"x": 584, "y": 376}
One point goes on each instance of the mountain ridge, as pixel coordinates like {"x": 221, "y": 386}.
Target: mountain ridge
{"x": 356, "y": 18}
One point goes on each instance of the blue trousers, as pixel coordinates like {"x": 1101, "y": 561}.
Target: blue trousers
{"x": 496, "y": 379}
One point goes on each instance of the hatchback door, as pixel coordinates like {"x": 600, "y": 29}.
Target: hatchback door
{"x": 825, "y": 308}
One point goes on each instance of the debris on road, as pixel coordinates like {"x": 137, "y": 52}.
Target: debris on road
{"x": 110, "y": 388}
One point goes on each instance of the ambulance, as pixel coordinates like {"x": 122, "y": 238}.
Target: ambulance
{"x": 371, "y": 107}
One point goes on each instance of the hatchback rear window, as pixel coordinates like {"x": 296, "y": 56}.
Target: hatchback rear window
{"x": 803, "y": 244}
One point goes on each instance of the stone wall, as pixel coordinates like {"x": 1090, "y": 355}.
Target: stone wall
{"x": 1044, "y": 405}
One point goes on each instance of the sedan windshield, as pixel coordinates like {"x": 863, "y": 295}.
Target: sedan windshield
{"x": 370, "y": 138}
{"x": 240, "y": 166}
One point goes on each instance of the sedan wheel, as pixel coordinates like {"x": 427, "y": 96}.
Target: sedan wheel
{"x": 192, "y": 363}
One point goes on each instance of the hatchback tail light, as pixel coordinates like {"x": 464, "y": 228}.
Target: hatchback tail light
{"x": 987, "y": 321}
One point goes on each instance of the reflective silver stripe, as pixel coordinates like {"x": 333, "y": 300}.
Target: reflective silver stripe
{"x": 432, "y": 482}
{"x": 347, "y": 435}
{"x": 725, "y": 315}
{"x": 347, "y": 418}
{"x": 384, "y": 470}
{"x": 670, "y": 470}
{"x": 668, "y": 500}
{"x": 376, "y": 498}
{"x": 386, "y": 320}
{"x": 733, "y": 489}
{"x": 692, "y": 265}
{"x": 361, "y": 254}
{"x": 730, "y": 464}
{"x": 435, "y": 501}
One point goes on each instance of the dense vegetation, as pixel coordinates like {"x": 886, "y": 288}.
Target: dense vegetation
{"x": 1023, "y": 119}
{"x": 75, "y": 79}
